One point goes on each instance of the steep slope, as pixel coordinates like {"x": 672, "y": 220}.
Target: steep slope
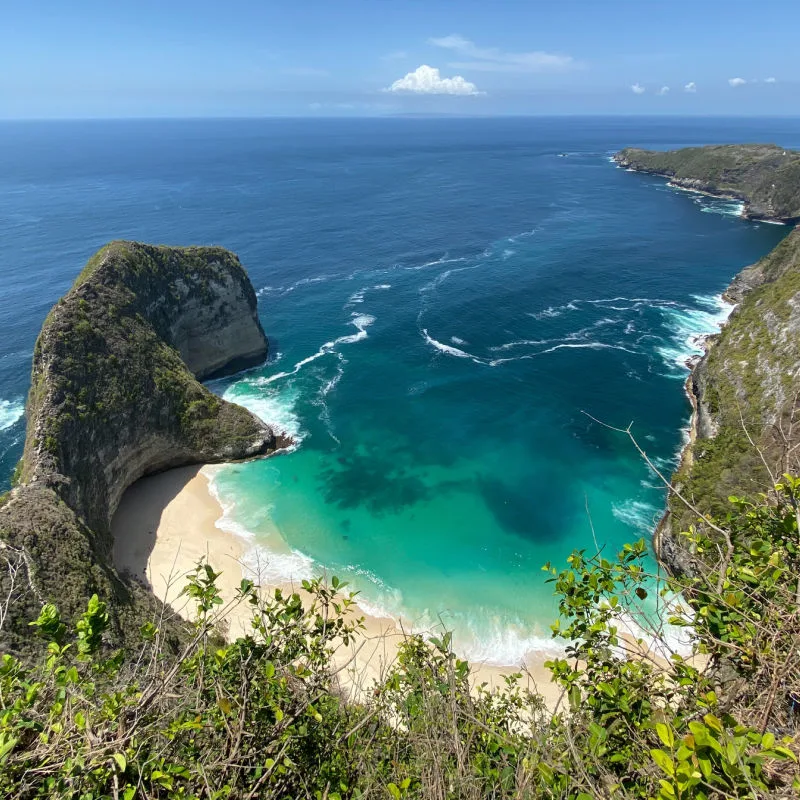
{"x": 114, "y": 396}
{"x": 764, "y": 176}
{"x": 746, "y": 391}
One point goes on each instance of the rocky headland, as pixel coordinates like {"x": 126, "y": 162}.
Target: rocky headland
{"x": 745, "y": 390}
{"x": 764, "y": 177}
{"x": 115, "y": 395}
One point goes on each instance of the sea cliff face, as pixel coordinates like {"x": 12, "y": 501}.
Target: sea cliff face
{"x": 115, "y": 396}
{"x": 745, "y": 392}
{"x": 766, "y": 178}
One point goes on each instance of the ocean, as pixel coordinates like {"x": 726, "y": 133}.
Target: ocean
{"x": 449, "y": 303}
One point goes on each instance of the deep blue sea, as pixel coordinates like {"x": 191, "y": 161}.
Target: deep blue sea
{"x": 446, "y": 299}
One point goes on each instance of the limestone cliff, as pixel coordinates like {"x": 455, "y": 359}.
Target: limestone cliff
{"x": 114, "y": 396}
{"x": 765, "y": 177}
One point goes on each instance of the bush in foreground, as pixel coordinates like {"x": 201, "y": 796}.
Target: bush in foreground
{"x": 265, "y": 715}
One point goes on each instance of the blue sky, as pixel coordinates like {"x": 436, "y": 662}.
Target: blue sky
{"x": 363, "y": 57}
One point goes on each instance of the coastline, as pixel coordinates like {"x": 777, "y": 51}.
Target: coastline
{"x": 683, "y": 185}
{"x": 704, "y": 342}
{"x": 167, "y": 522}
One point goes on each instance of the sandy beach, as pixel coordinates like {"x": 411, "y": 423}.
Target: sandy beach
{"x": 166, "y": 524}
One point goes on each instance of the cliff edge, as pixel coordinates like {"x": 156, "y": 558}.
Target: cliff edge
{"x": 765, "y": 177}
{"x": 115, "y": 395}
{"x": 745, "y": 392}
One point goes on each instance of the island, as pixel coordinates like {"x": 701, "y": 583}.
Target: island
{"x": 765, "y": 177}
{"x": 115, "y": 395}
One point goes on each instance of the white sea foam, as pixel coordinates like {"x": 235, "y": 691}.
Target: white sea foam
{"x": 456, "y": 340}
{"x": 563, "y": 346}
{"x": 554, "y": 311}
{"x": 449, "y": 349}
{"x": 326, "y": 388}
{"x": 723, "y": 207}
{"x": 274, "y": 406}
{"x": 445, "y": 259}
{"x": 269, "y": 568}
{"x": 503, "y": 645}
{"x": 689, "y": 327}
{"x": 637, "y": 514}
{"x": 10, "y": 412}
{"x": 360, "y": 321}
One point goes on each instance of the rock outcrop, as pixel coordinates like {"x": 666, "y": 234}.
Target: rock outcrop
{"x": 765, "y": 177}
{"x": 114, "y": 396}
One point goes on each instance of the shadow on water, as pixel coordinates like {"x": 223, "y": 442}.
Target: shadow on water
{"x": 534, "y": 512}
{"x": 379, "y": 484}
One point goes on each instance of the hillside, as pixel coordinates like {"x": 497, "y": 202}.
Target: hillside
{"x": 763, "y": 176}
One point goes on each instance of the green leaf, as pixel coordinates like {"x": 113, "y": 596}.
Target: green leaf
{"x": 666, "y": 764}
{"x": 122, "y": 762}
{"x": 665, "y": 734}
{"x": 394, "y": 791}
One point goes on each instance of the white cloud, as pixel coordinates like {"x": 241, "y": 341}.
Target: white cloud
{"x": 637, "y": 88}
{"x": 492, "y": 59}
{"x": 663, "y": 90}
{"x": 736, "y": 82}
{"x": 690, "y": 87}
{"x": 770, "y": 80}
{"x": 428, "y": 80}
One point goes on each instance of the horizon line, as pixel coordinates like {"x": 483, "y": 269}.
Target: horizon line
{"x": 398, "y": 115}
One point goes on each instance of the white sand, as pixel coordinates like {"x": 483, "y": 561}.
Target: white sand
{"x": 166, "y": 524}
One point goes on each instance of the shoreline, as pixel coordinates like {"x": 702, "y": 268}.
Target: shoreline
{"x": 704, "y": 342}
{"x": 167, "y": 522}
{"x": 676, "y": 183}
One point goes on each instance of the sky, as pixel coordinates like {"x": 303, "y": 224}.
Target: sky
{"x": 174, "y": 58}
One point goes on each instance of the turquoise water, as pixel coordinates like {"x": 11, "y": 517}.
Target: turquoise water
{"x": 447, "y": 301}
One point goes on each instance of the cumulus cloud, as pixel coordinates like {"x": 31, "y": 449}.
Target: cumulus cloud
{"x": 690, "y": 87}
{"x": 663, "y": 90}
{"x": 428, "y": 80}
{"x": 770, "y": 80}
{"x": 736, "y": 82}
{"x": 493, "y": 59}
{"x": 637, "y": 88}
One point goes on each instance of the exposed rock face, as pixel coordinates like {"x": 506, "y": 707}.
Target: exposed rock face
{"x": 114, "y": 396}
{"x": 765, "y": 177}
{"x": 746, "y": 395}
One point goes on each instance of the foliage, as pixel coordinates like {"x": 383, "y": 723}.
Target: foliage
{"x": 269, "y": 714}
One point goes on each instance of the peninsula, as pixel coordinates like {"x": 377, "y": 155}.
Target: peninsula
{"x": 765, "y": 177}
{"x": 115, "y": 395}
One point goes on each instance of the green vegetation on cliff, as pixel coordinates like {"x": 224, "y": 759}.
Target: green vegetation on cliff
{"x": 766, "y": 177}
{"x": 114, "y": 395}
{"x": 747, "y": 388}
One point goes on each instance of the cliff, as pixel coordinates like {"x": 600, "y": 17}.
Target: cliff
{"x": 114, "y": 396}
{"x": 746, "y": 394}
{"x": 765, "y": 177}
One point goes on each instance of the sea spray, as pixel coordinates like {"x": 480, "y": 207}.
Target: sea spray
{"x": 11, "y": 411}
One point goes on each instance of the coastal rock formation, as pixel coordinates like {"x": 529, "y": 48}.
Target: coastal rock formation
{"x": 765, "y": 177}
{"x": 115, "y": 396}
{"x": 746, "y": 396}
